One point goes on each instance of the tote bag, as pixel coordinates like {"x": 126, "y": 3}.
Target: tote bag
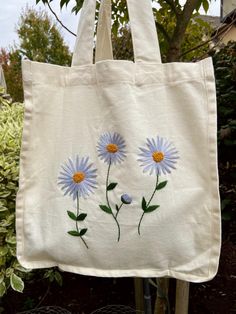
{"x": 118, "y": 168}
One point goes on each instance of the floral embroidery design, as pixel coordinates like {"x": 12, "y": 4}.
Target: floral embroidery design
{"x": 78, "y": 179}
{"x": 111, "y": 149}
{"x": 158, "y": 157}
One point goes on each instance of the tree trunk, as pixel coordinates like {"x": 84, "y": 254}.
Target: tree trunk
{"x": 182, "y": 22}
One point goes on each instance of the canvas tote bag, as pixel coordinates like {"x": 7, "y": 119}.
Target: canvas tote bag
{"x": 118, "y": 168}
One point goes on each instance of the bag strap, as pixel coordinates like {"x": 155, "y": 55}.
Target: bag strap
{"x": 143, "y": 30}
{"x": 103, "y": 49}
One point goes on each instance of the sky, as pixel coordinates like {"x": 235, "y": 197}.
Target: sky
{"x": 11, "y": 9}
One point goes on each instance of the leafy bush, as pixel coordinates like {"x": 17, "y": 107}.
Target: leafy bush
{"x": 11, "y": 273}
{"x": 11, "y": 117}
{"x": 225, "y": 73}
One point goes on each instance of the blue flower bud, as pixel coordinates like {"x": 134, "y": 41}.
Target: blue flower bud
{"x": 126, "y": 199}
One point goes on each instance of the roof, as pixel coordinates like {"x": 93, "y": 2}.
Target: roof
{"x": 214, "y": 21}
{"x": 231, "y": 17}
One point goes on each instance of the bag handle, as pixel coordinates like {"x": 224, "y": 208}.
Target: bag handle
{"x": 143, "y": 30}
{"x": 103, "y": 49}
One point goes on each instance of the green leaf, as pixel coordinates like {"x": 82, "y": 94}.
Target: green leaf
{"x": 63, "y": 2}
{"x": 106, "y": 209}
{"x": 17, "y": 283}
{"x": 2, "y": 288}
{"x": 144, "y": 204}
{"x": 22, "y": 269}
{"x": 151, "y": 208}
{"x": 81, "y": 217}
{"x": 9, "y": 271}
{"x": 72, "y": 215}
{"x": 205, "y": 5}
{"x": 111, "y": 186}
{"x": 3, "y": 250}
{"x": 74, "y": 233}
{"x": 161, "y": 185}
{"x": 82, "y": 232}
{"x": 11, "y": 239}
{"x": 3, "y": 209}
{"x": 58, "y": 278}
{"x": 1, "y": 278}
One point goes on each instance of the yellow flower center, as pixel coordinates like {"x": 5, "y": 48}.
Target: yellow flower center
{"x": 112, "y": 148}
{"x": 158, "y": 156}
{"x": 78, "y": 177}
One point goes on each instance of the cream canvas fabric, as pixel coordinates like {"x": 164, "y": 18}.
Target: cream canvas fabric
{"x": 118, "y": 169}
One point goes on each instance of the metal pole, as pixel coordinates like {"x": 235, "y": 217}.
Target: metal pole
{"x": 147, "y": 297}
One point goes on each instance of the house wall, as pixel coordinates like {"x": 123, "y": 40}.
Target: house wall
{"x": 227, "y": 6}
{"x": 230, "y": 35}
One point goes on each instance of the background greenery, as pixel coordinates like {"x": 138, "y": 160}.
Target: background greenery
{"x": 179, "y": 30}
{"x": 225, "y": 75}
{"x": 11, "y": 123}
{"x": 39, "y": 40}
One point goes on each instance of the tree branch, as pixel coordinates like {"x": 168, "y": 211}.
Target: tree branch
{"x": 59, "y": 21}
{"x": 184, "y": 18}
{"x": 179, "y": 32}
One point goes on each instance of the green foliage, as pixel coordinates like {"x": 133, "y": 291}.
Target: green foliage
{"x": 197, "y": 32}
{"x": 122, "y": 45}
{"x": 177, "y": 31}
{"x": 53, "y": 275}
{"x": 119, "y": 6}
{"x": 40, "y": 40}
{"x": 225, "y": 73}
{"x": 165, "y": 22}
{"x": 11, "y": 64}
{"x": 12, "y": 274}
{"x": 11, "y": 116}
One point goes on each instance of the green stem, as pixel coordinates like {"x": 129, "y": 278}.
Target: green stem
{"x": 153, "y": 192}
{"x": 148, "y": 203}
{"x": 119, "y": 209}
{"x": 108, "y": 203}
{"x": 107, "y": 179}
{"x": 77, "y": 213}
{"x": 77, "y": 226}
{"x": 140, "y": 222}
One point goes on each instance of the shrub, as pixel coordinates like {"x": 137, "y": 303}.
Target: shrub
{"x": 12, "y": 273}
{"x": 225, "y": 74}
{"x": 11, "y": 117}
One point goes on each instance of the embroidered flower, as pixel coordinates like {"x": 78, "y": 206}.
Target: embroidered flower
{"x": 126, "y": 199}
{"x": 111, "y": 148}
{"x": 159, "y": 156}
{"x": 77, "y": 177}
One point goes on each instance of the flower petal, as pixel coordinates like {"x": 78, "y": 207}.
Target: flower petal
{"x": 164, "y": 166}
